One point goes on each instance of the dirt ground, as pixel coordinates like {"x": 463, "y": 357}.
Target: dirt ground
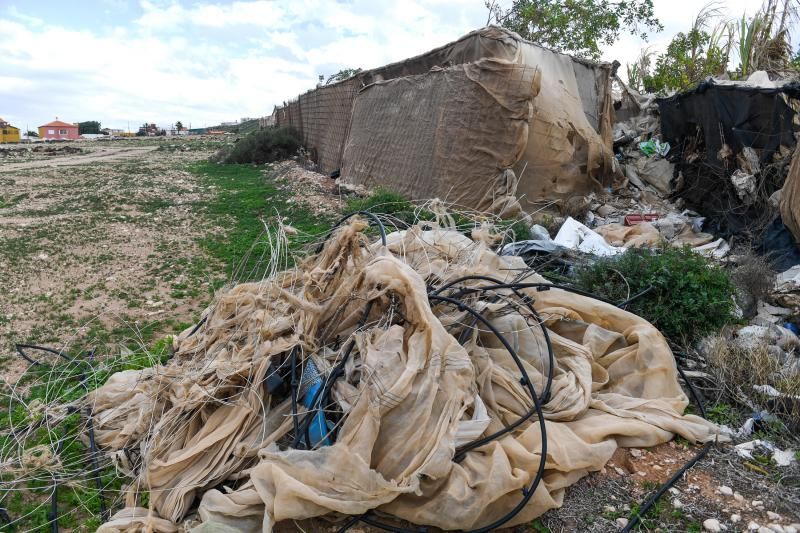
{"x": 106, "y": 241}
{"x": 95, "y": 241}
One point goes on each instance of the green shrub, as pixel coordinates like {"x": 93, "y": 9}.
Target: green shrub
{"x": 690, "y": 298}
{"x": 262, "y": 146}
{"x": 385, "y": 202}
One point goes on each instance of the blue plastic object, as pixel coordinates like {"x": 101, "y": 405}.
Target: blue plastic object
{"x": 318, "y": 429}
{"x": 792, "y": 327}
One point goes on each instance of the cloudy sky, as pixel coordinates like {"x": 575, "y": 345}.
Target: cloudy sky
{"x": 202, "y": 62}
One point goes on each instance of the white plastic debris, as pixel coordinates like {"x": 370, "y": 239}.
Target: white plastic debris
{"x": 789, "y": 280}
{"x": 745, "y": 185}
{"x": 717, "y": 249}
{"x": 576, "y": 236}
{"x": 540, "y": 233}
{"x": 781, "y": 457}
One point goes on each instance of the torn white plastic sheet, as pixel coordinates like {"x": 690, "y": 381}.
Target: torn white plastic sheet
{"x": 717, "y": 249}
{"x": 789, "y": 280}
{"x": 781, "y": 457}
{"x": 576, "y": 236}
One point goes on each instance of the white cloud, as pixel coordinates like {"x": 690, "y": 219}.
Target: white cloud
{"x": 207, "y": 62}
{"x": 204, "y": 62}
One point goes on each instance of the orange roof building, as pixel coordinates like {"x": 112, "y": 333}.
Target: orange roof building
{"x": 58, "y": 130}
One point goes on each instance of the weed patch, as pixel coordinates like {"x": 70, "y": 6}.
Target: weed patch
{"x": 688, "y": 296}
{"x": 246, "y": 200}
{"x": 262, "y": 146}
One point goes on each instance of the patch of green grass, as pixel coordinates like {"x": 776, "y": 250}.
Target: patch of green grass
{"x": 61, "y": 383}
{"x": 11, "y": 201}
{"x": 246, "y": 199}
{"x": 723, "y": 413}
{"x": 538, "y": 527}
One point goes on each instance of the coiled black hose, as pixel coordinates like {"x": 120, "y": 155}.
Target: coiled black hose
{"x": 528, "y": 492}
{"x": 524, "y": 298}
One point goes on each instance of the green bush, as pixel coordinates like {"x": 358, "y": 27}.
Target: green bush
{"x": 386, "y": 202}
{"x": 262, "y": 146}
{"x": 691, "y": 297}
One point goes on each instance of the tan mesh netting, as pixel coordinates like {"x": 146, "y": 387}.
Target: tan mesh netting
{"x": 450, "y": 121}
{"x": 449, "y": 134}
{"x": 790, "y": 197}
{"x": 422, "y": 379}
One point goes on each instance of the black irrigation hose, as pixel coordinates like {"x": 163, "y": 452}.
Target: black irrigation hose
{"x": 198, "y": 326}
{"x": 22, "y": 347}
{"x": 52, "y": 516}
{"x": 293, "y": 385}
{"x": 4, "y": 516}
{"x": 528, "y": 492}
{"x": 526, "y": 382}
{"x": 548, "y": 286}
{"x": 94, "y": 452}
{"x": 527, "y": 301}
{"x": 347, "y": 217}
{"x": 637, "y": 516}
{"x": 537, "y": 285}
{"x": 635, "y": 297}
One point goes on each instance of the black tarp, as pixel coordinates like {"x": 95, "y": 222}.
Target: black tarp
{"x": 737, "y": 115}
{"x": 697, "y": 123}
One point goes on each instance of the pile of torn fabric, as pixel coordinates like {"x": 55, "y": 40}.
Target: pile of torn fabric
{"x": 412, "y": 381}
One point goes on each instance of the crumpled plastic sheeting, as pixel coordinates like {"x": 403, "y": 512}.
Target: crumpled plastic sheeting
{"x": 576, "y": 236}
{"x": 409, "y": 394}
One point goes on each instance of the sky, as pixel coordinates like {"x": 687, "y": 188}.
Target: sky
{"x": 126, "y": 62}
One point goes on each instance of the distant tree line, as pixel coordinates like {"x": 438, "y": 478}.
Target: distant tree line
{"x": 89, "y": 127}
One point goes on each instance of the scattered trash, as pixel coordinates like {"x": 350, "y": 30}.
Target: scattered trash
{"x": 656, "y": 172}
{"x": 654, "y": 147}
{"x": 781, "y": 457}
{"x": 789, "y": 280}
{"x": 576, "y": 236}
{"x": 632, "y": 220}
{"x": 745, "y": 185}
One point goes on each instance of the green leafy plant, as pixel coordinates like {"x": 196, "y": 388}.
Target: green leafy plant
{"x": 262, "y": 146}
{"x": 689, "y": 298}
{"x": 575, "y": 26}
{"x": 690, "y": 57}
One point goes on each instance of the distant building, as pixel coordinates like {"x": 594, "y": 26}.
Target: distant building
{"x": 112, "y": 131}
{"x": 150, "y": 130}
{"x": 216, "y": 132}
{"x": 58, "y": 130}
{"x": 233, "y": 123}
{"x": 177, "y": 131}
{"x": 8, "y": 133}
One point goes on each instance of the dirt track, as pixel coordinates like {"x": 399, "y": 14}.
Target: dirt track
{"x": 101, "y": 154}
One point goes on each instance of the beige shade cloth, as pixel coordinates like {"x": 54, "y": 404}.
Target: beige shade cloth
{"x": 646, "y": 235}
{"x": 450, "y": 133}
{"x": 790, "y": 198}
{"x": 410, "y": 393}
{"x": 447, "y": 122}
